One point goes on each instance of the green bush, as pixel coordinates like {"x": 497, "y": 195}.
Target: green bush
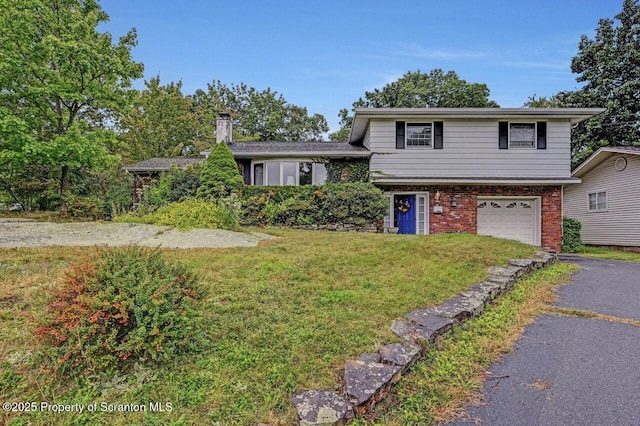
{"x": 89, "y": 207}
{"x": 124, "y": 304}
{"x": 175, "y": 185}
{"x": 191, "y": 213}
{"x": 220, "y": 177}
{"x": 571, "y": 242}
{"x": 352, "y": 203}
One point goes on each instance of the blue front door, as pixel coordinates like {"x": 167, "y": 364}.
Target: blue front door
{"x": 406, "y": 213}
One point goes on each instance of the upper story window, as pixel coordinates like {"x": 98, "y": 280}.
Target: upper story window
{"x": 419, "y": 134}
{"x": 598, "y": 201}
{"x": 522, "y": 135}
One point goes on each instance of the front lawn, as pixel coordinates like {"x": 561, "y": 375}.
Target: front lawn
{"x": 279, "y": 317}
{"x": 602, "y": 253}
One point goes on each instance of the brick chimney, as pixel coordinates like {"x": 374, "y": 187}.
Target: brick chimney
{"x": 223, "y": 128}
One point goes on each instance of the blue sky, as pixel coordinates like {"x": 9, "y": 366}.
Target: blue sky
{"x": 325, "y": 54}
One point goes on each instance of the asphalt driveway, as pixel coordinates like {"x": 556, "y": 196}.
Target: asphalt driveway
{"x": 573, "y": 370}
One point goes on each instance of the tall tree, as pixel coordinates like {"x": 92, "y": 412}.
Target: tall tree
{"x": 64, "y": 80}
{"x": 416, "y": 89}
{"x": 609, "y": 65}
{"x": 163, "y": 123}
{"x": 435, "y": 89}
{"x": 259, "y": 115}
{"x": 16, "y": 145}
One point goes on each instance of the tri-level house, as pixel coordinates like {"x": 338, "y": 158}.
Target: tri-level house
{"x": 498, "y": 172}
{"x": 488, "y": 171}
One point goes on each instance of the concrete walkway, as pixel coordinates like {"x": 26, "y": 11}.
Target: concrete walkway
{"x": 571, "y": 370}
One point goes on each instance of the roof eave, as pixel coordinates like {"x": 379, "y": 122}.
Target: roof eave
{"x": 363, "y": 115}
{"x": 478, "y": 181}
{"x": 598, "y": 157}
{"x": 302, "y": 154}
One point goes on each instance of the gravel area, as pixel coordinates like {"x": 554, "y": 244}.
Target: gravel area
{"x": 29, "y": 233}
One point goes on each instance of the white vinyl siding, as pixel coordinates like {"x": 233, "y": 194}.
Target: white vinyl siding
{"x": 619, "y": 225}
{"x": 470, "y": 149}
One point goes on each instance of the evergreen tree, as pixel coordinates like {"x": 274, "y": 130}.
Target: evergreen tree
{"x": 220, "y": 176}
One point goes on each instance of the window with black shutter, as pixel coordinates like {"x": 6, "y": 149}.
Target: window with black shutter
{"x": 542, "y": 135}
{"x": 399, "y": 134}
{"x": 438, "y": 135}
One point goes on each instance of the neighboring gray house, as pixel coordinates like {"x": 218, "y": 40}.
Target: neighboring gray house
{"x": 489, "y": 171}
{"x": 607, "y": 202}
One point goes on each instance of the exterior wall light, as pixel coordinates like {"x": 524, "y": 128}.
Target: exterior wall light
{"x": 454, "y": 201}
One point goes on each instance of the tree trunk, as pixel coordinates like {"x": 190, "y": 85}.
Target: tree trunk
{"x": 7, "y": 188}
{"x": 64, "y": 188}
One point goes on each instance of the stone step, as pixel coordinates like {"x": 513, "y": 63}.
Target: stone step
{"x": 322, "y": 408}
{"x": 458, "y": 308}
{"x": 412, "y": 332}
{"x": 426, "y": 319}
{"x": 367, "y": 383}
{"x": 402, "y": 355}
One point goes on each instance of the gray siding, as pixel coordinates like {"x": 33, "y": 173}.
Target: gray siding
{"x": 470, "y": 150}
{"x": 620, "y": 224}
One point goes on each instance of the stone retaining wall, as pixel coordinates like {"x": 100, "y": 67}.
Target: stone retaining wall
{"x": 369, "y": 379}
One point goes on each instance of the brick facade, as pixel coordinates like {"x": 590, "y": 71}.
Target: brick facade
{"x": 464, "y": 217}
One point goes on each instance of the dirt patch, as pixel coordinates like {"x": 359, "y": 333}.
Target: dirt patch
{"x": 28, "y": 233}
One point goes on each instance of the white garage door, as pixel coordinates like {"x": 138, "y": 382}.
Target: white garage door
{"x": 507, "y": 218}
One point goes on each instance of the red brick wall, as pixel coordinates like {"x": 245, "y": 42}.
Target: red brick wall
{"x": 464, "y": 217}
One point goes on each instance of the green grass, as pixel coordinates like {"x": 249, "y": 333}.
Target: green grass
{"x": 601, "y": 253}
{"x": 448, "y": 378}
{"x": 279, "y": 317}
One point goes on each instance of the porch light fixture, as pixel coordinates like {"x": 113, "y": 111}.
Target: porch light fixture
{"x": 454, "y": 201}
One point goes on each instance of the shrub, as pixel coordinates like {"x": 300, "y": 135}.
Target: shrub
{"x": 124, "y": 303}
{"x": 353, "y": 203}
{"x": 89, "y": 207}
{"x": 191, "y": 213}
{"x": 571, "y": 242}
{"x": 173, "y": 186}
{"x": 220, "y": 176}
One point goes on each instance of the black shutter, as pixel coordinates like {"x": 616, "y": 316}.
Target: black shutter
{"x": 437, "y": 134}
{"x": 503, "y": 135}
{"x": 542, "y": 135}
{"x": 399, "y": 134}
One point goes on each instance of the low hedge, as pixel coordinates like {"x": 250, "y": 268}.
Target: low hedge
{"x": 350, "y": 203}
{"x": 190, "y": 213}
